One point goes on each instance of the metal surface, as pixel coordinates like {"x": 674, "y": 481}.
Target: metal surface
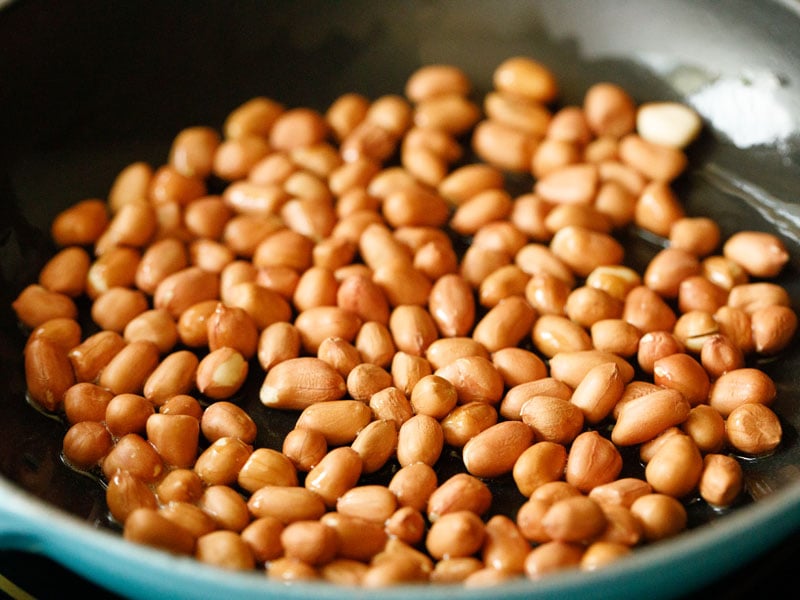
{"x": 88, "y": 88}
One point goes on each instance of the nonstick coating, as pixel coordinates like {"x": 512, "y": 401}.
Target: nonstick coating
{"x": 86, "y": 88}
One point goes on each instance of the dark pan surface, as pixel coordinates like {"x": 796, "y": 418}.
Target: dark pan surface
{"x": 89, "y": 87}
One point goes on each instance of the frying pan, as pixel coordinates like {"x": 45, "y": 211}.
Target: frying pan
{"x": 89, "y": 87}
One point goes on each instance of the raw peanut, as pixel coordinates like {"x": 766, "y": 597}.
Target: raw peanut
{"x": 506, "y": 324}
{"x": 699, "y": 235}
{"x": 475, "y": 378}
{"x": 192, "y": 151}
{"x": 266, "y": 466}
{"x": 86, "y": 401}
{"x": 63, "y": 331}
{"x": 435, "y": 259}
{"x": 555, "y": 334}
{"x": 232, "y": 326}
{"x": 528, "y": 215}
{"x": 419, "y": 439}
{"x": 586, "y": 305}
{"x": 576, "y": 519}
{"x": 175, "y": 438}
{"x": 615, "y": 280}
{"x": 413, "y": 329}
{"x": 184, "y": 288}
{"x": 290, "y": 570}
{"x": 368, "y": 140}
{"x": 402, "y": 283}
{"x": 615, "y": 202}
{"x": 552, "y": 419}
{"x": 413, "y": 485}
{"x": 509, "y": 280}
{"x": 309, "y": 541}
{"x": 529, "y": 519}
{"x": 452, "y": 305}
{"x": 362, "y": 296}
{"x": 66, "y": 271}
{"x": 92, "y": 355}
{"x": 676, "y": 467}
{"x": 753, "y": 429}
{"x": 263, "y": 537}
{"x": 277, "y": 342}
{"x": 668, "y": 268}
{"x": 517, "y": 395}
{"x": 391, "y": 404}
{"x": 465, "y": 181}
{"x": 684, "y": 373}
{"x": 540, "y": 463}
{"x": 547, "y": 294}
{"x": 312, "y": 216}
{"x": 155, "y": 325}
{"x": 477, "y": 263}
{"x": 304, "y": 447}
{"x": 134, "y": 454}
{"x": 598, "y": 392}
{"x": 357, "y": 539}
{"x": 633, "y": 389}
{"x": 583, "y": 250}
{"x": 376, "y": 443}
{"x": 648, "y": 449}
{"x": 668, "y": 123}
{"x": 374, "y": 344}
{"x": 466, "y": 421}
{"x": 503, "y": 146}
{"x": 35, "y": 305}
{"x": 655, "y": 161}
{"x": 696, "y": 292}
{"x": 134, "y": 224}
{"x": 116, "y": 267}
{"x": 126, "y": 493}
{"x": 460, "y": 492}
{"x": 741, "y": 386}
{"x": 735, "y": 324}
{"x": 646, "y": 310}
{"x": 479, "y": 210}
{"x": 254, "y": 117}
{"x": 146, "y": 526}
{"x": 226, "y": 506}
{"x": 114, "y": 308}
{"x": 602, "y": 553}
{"x": 553, "y": 154}
{"x": 48, "y": 373}
{"x": 286, "y": 504}
{"x": 436, "y": 79}
{"x": 414, "y": 206}
{"x": 572, "y": 184}
{"x": 333, "y": 252}
{"x": 406, "y": 524}
{"x": 706, "y": 427}
{"x": 192, "y": 323}
{"x": 773, "y": 328}
{"x": 724, "y": 272}
{"x": 221, "y": 461}
{"x": 189, "y": 516}
{"x": 182, "y": 404}
{"x": 86, "y": 443}
{"x": 81, "y": 224}
{"x": 337, "y": 472}
{"x": 210, "y": 255}
{"x": 658, "y": 208}
{"x": 366, "y": 379}
{"x": 169, "y": 185}
{"x": 551, "y": 557}
{"x": 338, "y": 420}
{"x": 297, "y": 127}
{"x": 722, "y": 480}
{"x": 370, "y": 502}
{"x": 299, "y": 382}
{"x": 284, "y": 247}
{"x": 129, "y": 368}
{"x": 128, "y": 413}
{"x": 610, "y": 110}
{"x": 569, "y": 125}
{"x": 761, "y": 254}
{"x": 720, "y": 354}
{"x": 179, "y": 485}
{"x": 571, "y": 367}
{"x": 340, "y": 354}
{"x": 518, "y": 365}
{"x": 593, "y": 460}
{"x": 655, "y": 345}
{"x": 616, "y": 336}
{"x": 577, "y": 215}
{"x": 452, "y": 113}
{"x": 661, "y": 516}
{"x": 539, "y": 259}
{"x": 225, "y": 419}
{"x": 524, "y": 114}
{"x": 433, "y": 396}
{"x": 495, "y": 450}
{"x": 280, "y": 279}
{"x": 243, "y": 232}
{"x": 620, "y": 492}
{"x": 644, "y": 417}
{"x": 221, "y": 373}
{"x": 523, "y": 76}
{"x": 459, "y": 533}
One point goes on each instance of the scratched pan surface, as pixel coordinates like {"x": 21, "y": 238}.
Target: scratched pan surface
{"x": 88, "y": 87}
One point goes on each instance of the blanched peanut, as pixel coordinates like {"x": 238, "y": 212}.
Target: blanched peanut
{"x": 661, "y": 516}
{"x": 722, "y": 480}
{"x": 668, "y": 123}
{"x": 753, "y": 429}
{"x": 676, "y": 467}
{"x": 761, "y": 254}
{"x": 221, "y": 373}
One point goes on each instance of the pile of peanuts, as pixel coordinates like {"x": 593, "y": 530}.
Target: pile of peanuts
{"x": 371, "y": 269}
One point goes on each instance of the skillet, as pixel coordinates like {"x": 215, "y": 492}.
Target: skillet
{"x": 88, "y": 88}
